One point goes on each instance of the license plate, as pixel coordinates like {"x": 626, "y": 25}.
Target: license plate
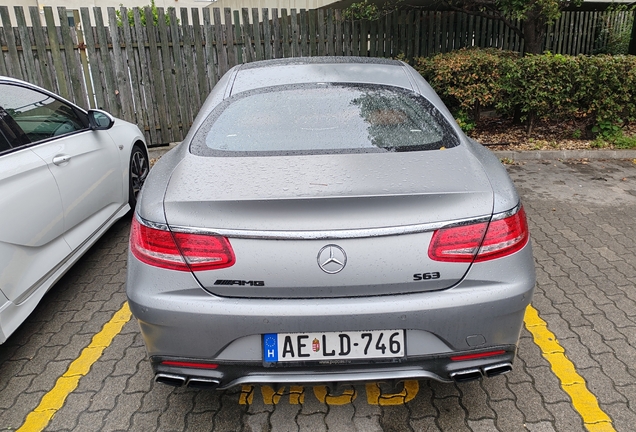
{"x": 350, "y": 345}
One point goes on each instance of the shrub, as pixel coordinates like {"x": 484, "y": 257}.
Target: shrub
{"x": 543, "y": 86}
{"x": 467, "y": 79}
{"x": 601, "y": 89}
{"x": 607, "y": 88}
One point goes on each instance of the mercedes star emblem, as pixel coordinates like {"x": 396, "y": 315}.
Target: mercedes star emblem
{"x": 332, "y": 259}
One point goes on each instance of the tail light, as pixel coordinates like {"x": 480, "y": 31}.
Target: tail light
{"x": 179, "y": 251}
{"x": 482, "y": 241}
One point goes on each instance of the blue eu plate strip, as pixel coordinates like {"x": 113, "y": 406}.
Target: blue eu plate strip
{"x": 270, "y": 347}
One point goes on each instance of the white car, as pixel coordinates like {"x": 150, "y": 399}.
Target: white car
{"x": 66, "y": 175}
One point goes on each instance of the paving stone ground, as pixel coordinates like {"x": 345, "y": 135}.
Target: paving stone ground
{"x": 583, "y": 225}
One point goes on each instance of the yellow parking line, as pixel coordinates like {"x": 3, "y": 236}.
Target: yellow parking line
{"x": 52, "y": 401}
{"x": 584, "y": 402}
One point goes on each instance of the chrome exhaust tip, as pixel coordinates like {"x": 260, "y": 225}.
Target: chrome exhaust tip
{"x": 499, "y": 369}
{"x": 466, "y": 375}
{"x": 170, "y": 379}
{"x": 203, "y": 383}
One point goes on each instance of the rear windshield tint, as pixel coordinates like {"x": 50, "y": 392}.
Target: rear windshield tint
{"x": 323, "y": 118}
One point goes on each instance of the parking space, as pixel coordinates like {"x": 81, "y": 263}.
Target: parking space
{"x": 575, "y": 365}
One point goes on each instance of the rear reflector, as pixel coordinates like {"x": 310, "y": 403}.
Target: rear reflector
{"x": 190, "y": 364}
{"x": 482, "y": 241}
{"x": 478, "y": 355}
{"x": 179, "y": 251}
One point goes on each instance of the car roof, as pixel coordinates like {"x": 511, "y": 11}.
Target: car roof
{"x": 332, "y": 69}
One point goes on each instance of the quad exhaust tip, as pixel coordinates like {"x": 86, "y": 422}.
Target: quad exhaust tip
{"x": 474, "y": 374}
{"x": 194, "y": 382}
{"x": 203, "y": 383}
{"x": 499, "y": 369}
{"x": 170, "y": 379}
{"x": 466, "y": 375}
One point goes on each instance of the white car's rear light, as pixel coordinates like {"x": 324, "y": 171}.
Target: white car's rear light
{"x": 179, "y": 251}
{"x": 482, "y": 241}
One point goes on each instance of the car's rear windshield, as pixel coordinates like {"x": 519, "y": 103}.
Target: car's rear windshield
{"x": 323, "y": 118}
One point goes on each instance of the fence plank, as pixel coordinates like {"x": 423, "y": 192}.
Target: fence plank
{"x": 69, "y": 40}
{"x": 122, "y": 85}
{"x": 454, "y": 30}
{"x": 229, "y": 38}
{"x": 40, "y": 43}
{"x": 580, "y": 33}
{"x": 364, "y": 38}
{"x": 293, "y": 16}
{"x": 304, "y": 33}
{"x": 355, "y": 38}
{"x": 113, "y": 103}
{"x": 415, "y": 34}
{"x": 373, "y": 38}
{"x": 560, "y": 45}
{"x": 172, "y": 98}
{"x": 221, "y": 50}
{"x": 587, "y": 31}
{"x": 25, "y": 42}
{"x": 331, "y": 42}
{"x": 191, "y": 70}
{"x": 56, "y": 54}
{"x": 320, "y": 25}
{"x": 430, "y": 33}
{"x": 347, "y": 39}
{"x": 284, "y": 33}
{"x": 471, "y": 29}
{"x": 13, "y": 65}
{"x": 156, "y": 78}
{"x": 139, "y": 115}
{"x": 313, "y": 47}
{"x": 3, "y": 65}
{"x": 180, "y": 68}
{"x": 569, "y": 33}
{"x": 238, "y": 37}
{"x": 148, "y": 105}
{"x": 407, "y": 33}
{"x": 81, "y": 46}
{"x": 267, "y": 35}
{"x": 248, "y": 37}
{"x": 200, "y": 56}
{"x": 99, "y": 90}
{"x": 256, "y": 29}
{"x": 276, "y": 35}
{"x": 210, "y": 49}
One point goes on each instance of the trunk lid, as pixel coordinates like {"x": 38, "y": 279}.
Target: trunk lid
{"x": 282, "y": 211}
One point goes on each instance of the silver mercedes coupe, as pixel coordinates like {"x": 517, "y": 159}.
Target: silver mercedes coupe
{"x": 326, "y": 221}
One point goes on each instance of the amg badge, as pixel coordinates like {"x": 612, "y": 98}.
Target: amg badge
{"x": 238, "y": 282}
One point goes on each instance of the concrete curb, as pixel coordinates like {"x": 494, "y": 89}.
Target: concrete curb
{"x": 565, "y": 154}
{"x": 157, "y": 152}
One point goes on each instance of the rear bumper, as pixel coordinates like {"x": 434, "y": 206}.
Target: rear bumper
{"x": 439, "y": 368}
{"x": 180, "y": 320}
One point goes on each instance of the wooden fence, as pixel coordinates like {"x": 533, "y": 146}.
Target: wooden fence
{"x": 157, "y": 76}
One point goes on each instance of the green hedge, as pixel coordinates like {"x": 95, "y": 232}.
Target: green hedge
{"x": 600, "y": 89}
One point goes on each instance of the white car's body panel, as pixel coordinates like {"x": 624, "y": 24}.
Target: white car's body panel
{"x": 88, "y": 181}
{"x": 58, "y": 196}
{"x": 31, "y": 241}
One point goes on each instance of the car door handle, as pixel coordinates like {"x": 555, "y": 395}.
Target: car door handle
{"x": 59, "y": 160}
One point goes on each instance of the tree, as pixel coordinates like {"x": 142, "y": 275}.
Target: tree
{"x": 533, "y": 14}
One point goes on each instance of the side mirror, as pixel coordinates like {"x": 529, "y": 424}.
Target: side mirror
{"x": 100, "y": 120}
